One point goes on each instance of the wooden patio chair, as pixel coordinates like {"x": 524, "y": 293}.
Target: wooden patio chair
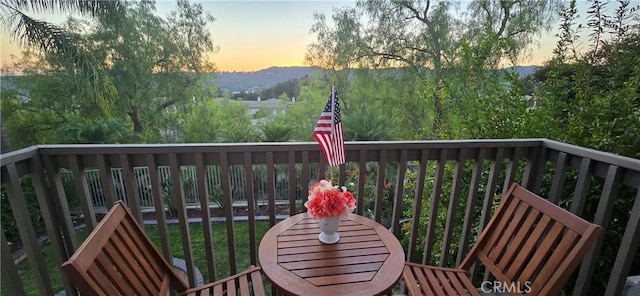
{"x": 530, "y": 246}
{"x": 118, "y": 258}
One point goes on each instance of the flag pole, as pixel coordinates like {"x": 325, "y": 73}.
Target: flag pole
{"x": 333, "y": 123}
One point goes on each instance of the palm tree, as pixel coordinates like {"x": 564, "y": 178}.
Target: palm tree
{"x": 54, "y": 40}
{"x": 276, "y": 131}
{"x": 95, "y": 131}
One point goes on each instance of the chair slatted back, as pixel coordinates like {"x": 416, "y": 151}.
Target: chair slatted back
{"x": 532, "y": 243}
{"x": 118, "y": 258}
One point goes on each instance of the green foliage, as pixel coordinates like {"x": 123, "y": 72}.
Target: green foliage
{"x": 303, "y": 115}
{"x": 276, "y": 131}
{"x": 167, "y": 191}
{"x": 383, "y": 105}
{"x": 90, "y": 77}
{"x": 188, "y": 24}
{"x": 263, "y": 113}
{"x": 146, "y": 67}
{"x": 96, "y": 131}
{"x": 200, "y": 125}
{"x": 217, "y": 121}
{"x": 153, "y": 61}
{"x": 46, "y": 98}
{"x": 595, "y": 104}
{"x": 23, "y": 128}
{"x": 8, "y": 222}
{"x": 370, "y": 188}
{"x": 432, "y": 41}
{"x": 366, "y": 124}
{"x": 290, "y": 87}
{"x": 591, "y": 100}
{"x": 217, "y": 196}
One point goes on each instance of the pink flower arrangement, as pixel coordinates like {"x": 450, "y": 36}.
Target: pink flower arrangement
{"x": 327, "y": 201}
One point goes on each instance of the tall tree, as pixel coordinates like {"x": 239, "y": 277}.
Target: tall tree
{"x": 430, "y": 38}
{"x": 155, "y": 62}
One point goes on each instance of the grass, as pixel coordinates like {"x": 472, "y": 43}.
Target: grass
{"x": 220, "y": 249}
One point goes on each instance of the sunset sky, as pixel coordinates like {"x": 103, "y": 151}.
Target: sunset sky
{"x": 253, "y": 35}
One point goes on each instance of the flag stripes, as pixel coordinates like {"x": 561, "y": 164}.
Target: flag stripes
{"x": 328, "y": 131}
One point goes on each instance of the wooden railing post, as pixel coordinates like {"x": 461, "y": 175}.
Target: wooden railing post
{"x": 63, "y": 216}
{"x": 27, "y": 233}
{"x": 51, "y": 223}
{"x": 603, "y": 215}
{"x": 627, "y": 250}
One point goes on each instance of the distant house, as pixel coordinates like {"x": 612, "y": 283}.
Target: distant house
{"x": 273, "y": 104}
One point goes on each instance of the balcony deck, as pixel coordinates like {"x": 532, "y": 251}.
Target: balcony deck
{"x": 449, "y": 188}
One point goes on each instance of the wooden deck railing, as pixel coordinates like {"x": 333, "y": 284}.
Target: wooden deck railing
{"x": 448, "y": 189}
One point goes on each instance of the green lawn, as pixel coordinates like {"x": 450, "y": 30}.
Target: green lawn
{"x": 221, "y": 252}
{"x": 220, "y": 248}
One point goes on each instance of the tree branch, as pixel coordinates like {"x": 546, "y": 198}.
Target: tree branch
{"x": 392, "y": 56}
{"x": 426, "y": 9}
{"x": 506, "y": 6}
{"x": 514, "y": 33}
{"x": 416, "y": 13}
{"x": 166, "y": 104}
{"x": 486, "y": 9}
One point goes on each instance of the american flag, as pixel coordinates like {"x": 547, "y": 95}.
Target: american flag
{"x": 328, "y": 131}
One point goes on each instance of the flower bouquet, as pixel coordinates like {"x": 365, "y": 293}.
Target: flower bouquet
{"x": 327, "y": 204}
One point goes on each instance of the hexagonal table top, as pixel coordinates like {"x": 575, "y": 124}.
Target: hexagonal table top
{"x": 368, "y": 259}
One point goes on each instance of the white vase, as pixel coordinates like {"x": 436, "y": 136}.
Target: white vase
{"x": 328, "y": 230}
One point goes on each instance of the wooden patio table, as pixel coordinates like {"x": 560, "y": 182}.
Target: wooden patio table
{"x": 368, "y": 259}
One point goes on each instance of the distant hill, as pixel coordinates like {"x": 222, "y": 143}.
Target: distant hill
{"x": 262, "y": 79}
{"x": 524, "y": 71}
{"x": 257, "y": 81}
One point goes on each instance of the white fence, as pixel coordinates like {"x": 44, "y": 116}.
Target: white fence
{"x": 214, "y": 186}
